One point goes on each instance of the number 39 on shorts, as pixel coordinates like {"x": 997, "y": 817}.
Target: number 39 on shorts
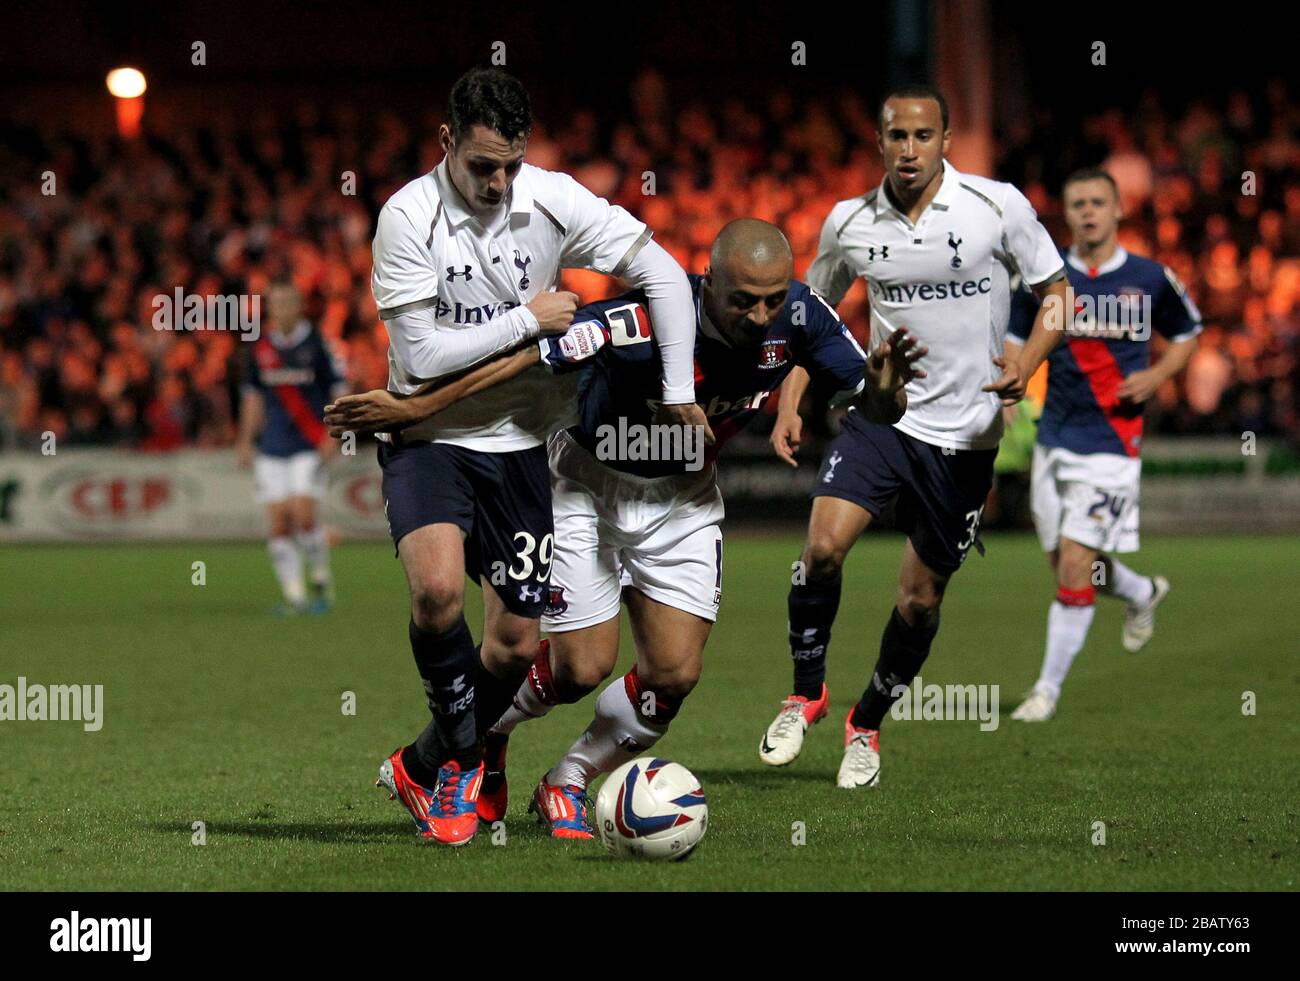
{"x": 527, "y": 545}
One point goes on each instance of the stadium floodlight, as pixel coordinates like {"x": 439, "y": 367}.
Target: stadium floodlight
{"x": 126, "y": 83}
{"x": 127, "y": 86}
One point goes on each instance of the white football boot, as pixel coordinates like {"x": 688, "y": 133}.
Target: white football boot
{"x": 1140, "y": 619}
{"x": 784, "y": 737}
{"x": 1038, "y": 707}
{"x": 861, "y": 764}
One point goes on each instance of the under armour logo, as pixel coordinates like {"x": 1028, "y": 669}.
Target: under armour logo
{"x": 834, "y": 459}
{"x": 522, "y": 264}
{"x": 871, "y": 252}
{"x": 530, "y": 594}
{"x": 452, "y": 274}
{"x": 956, "y": 259}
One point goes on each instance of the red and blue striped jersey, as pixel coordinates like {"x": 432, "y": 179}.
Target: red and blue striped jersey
{"x": 296, "y": 375}
{"x": 1116, "y": 307}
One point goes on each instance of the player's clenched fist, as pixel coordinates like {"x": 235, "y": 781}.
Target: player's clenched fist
{"x": 554, "y": 311}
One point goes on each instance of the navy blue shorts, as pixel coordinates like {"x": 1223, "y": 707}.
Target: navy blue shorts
{"x": 502, "y": 501}
{"x": 940, "y": 495}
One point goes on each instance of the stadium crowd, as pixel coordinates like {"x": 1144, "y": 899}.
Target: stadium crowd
{"x": 1212, "y": 190}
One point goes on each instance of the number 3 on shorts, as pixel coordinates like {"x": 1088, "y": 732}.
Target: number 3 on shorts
{"x": 545, "y": 552}
{"x": 972, "y": 528}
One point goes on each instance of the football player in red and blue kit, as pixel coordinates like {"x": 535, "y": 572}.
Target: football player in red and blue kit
{"x": 637, "y": 515}
{"x": 289, "y": 375}
{"x": 1087, "y": 468}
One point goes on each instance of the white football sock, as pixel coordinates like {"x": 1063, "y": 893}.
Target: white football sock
{"x": 316, "y": 550}
{"x": 1067, "y": 629}
{"x": 618, "y": 733}
{"x": 287, "y": 563}
{"x": 527, "y": 705}
{"x": 536, "y": 695}
{"x": 1129, "y": 585}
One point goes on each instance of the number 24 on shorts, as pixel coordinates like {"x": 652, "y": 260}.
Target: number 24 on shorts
{"x": 1112, "y": 503}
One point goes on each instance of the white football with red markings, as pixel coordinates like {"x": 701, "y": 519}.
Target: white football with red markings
{"x": 651, "y": 808}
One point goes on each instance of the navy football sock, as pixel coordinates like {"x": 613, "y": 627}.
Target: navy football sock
{"x": 493, "y": 693}
{"x": 447, "y": 663}
{"x": 812, "y": 606}
{"x": 903, "y": 649}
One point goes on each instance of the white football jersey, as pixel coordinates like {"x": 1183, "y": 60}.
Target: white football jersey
{"x": 432, "y": 251}
{"x": 947, "y": 279}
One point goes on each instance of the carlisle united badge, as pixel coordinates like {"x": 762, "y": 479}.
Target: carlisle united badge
{"x": 773, "y": 355}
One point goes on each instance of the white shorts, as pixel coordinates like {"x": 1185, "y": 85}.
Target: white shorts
{"x": 278, "y": 478}
{"x": 1089, "y": 498}
{"x": 658, "y": 535}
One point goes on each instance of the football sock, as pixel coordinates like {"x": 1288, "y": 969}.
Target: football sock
{"x": 492, "y": 692}
{"x": 903, "y": 649}
{"x": 812, "y": 606}
{"x": 447, "y": 663}
{"x": 535, "y": 697}
{"x": 1126, "y": 584}
{"x": 287, "y": 563}
{"x": 316, "y": 550}
{"x": 629, "y": 720}
{"x": 1068, "y": 621}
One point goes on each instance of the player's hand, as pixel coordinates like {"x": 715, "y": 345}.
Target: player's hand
{"x": 686, "y": 414}
{"x": 244, "y": 455}
{"x": 376, "y": 411}
{"x": 554, "y": 311}
{"x": 787, "y": 434}
{"x": 893, "y": 363}
{"x": 1011, "y": 386}
{"x": 1139, "y": 386}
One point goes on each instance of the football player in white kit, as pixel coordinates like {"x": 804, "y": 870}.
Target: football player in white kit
{"x": 1087, "y": 460}
{"x": 938, "y": 249}
{"x": 465, "y": 261}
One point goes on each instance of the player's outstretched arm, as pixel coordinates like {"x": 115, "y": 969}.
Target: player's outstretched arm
{"x": 672, "y": 319}
{"x": 788, "y": 431}
{"x": 890, "y": 366}
{"x": 380, "y": 411}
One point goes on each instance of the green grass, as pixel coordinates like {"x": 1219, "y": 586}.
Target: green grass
{"x": 216, "y": 713}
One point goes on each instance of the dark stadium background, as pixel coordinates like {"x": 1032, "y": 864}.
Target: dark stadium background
{"x": 237, "y": 173}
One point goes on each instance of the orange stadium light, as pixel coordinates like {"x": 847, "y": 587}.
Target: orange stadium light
{"x": 127, "y": 86}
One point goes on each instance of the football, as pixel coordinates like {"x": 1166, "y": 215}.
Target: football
{"x": 651, "y": 808}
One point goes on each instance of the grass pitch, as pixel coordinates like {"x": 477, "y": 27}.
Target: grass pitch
{"x": 214, "y": 712}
